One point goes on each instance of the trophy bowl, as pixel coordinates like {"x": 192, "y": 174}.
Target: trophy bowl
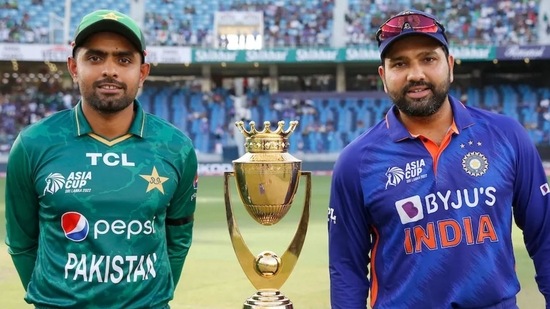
{"x": 267, "y": 184}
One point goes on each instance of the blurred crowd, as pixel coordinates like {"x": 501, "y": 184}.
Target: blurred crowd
{"x": 17, "y": 26}
{"x": 286, "y": 24}
{"x": 25, "y": 102}
{"x": 483, "y": 22}
{"x": 303, "y": 23}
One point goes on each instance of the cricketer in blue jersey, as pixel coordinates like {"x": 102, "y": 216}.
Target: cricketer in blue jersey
{"x": 422, "y": 204}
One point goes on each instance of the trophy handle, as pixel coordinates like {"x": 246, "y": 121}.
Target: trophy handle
{"x": 248, "y": 260}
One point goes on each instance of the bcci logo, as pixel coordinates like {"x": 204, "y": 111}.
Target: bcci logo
{"x": 54, "y": 182}
{"x": 475, "y": 164}
{"x": 75, "y": 226}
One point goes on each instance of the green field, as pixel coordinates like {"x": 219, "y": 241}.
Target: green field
{"x": 212, "y": 277}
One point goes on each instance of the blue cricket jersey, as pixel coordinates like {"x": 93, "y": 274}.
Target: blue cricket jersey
{"x": 426, "y": 230}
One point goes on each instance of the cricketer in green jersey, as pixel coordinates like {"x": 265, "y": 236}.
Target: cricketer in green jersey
{"x": 100, "y": 198}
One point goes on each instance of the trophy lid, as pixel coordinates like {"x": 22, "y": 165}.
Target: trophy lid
{"x": 266, "y": 140}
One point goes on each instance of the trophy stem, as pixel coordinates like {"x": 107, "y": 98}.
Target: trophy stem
{"x": 297, "y": 243}
{"x": 267, "y": 286}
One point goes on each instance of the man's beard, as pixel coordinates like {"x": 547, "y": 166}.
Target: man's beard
{"x": 108, "y": 105}
{"x": 423, "y": 107}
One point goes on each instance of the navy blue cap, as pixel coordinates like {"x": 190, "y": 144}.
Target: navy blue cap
{"x": 408, "y": 30}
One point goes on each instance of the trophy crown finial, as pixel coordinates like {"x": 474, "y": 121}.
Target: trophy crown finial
{"x": 267, "y": 128}
{"x": 266, "y": 140}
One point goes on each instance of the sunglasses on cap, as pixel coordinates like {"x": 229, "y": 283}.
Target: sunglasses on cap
{"x": 406, "y": 22}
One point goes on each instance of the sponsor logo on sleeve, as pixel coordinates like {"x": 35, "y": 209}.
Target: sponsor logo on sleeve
{"x": 195, "y": 186}
{"x": 196, "y": 182}
{"x": 544, "y": 189}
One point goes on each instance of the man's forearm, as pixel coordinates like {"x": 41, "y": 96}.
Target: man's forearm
{"x": 179, "y": 240}
{"x": 24, "y": 263}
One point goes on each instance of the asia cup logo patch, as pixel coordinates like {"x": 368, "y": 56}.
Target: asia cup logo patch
{"x": 394, "y": 175}
{"x": 474, "y": 163}
{"x": 54, "y": 182}
{"x": 409, "y": 172}
{"x": 75, "y": 226}
{"x": 76, "y": 182}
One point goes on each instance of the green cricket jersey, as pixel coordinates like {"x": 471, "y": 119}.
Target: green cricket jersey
{"x": 97, "y": 223}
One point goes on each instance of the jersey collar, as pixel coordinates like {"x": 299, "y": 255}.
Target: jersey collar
{"x": 397, "y": 131}
{"x": 83, "y": 127}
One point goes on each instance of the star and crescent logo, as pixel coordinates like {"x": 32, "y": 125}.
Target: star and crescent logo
{"x": 111, "y": 15}
{"x": 155, "y": 181}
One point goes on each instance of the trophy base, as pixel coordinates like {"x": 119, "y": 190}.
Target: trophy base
{"x": 272, "y": 299}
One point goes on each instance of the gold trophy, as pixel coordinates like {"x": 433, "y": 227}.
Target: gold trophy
{"x": 267, "y": 178}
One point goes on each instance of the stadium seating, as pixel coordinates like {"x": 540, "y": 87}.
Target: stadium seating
{"x": 326, "y": 124}
{"x": 470, "y": 22}
{"x": 288, "y": 23}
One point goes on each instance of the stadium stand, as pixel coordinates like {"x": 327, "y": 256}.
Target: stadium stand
{"x": 287, "y": 23}
{"x": 471, "y": 22}
{"x": 176, "y": 22}
{"x": 326, "y": 123}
